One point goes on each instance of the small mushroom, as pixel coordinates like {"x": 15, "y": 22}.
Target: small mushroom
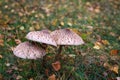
{"x": 66, "y": 37}
{"x": 28, "y": 50}
{"x": 42, "y": 37}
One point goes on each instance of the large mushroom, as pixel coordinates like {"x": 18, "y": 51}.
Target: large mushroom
{"x": 66, "y": 37}
{"x": 42, "y": 37}
{"x": 28, "y": 50}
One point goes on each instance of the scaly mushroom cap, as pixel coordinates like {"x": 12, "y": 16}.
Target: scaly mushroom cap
{"x": 41, "y": 36}
{"x": 28, "y": 50}
{"x": 66, "y": 37}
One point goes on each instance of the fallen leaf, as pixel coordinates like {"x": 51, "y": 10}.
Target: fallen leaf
{"x": 47, "y": 72}
{"x": 31, "y": 79}
{"x": 88, "y": 4}
{"x": 18, "y": 77}
{"x": 75, "y": 30}
{"x": 14, "y": 68}
{"x": 22, "y": 28}
{"x": 62, "y": 23}
{"x": 56, "y": 65}
{"x": 112, "y": 34}
{"x": 1, "y": 42}
{"x": 37, "y": 27}
{"x": 12, "y": 48}
{"x": 88, "y": 33}
{"x": 69, "y": 23}
{"x": 1, "y": 56}
{"x": 1, "y": 36}
{"x": 90, "y": 27}
{"x": 106, "y": 65}
{"x": 72, "y": 55}
{"x": 114, "y": 68}
{"x": 6, "y": 6}
{"x": 31, "y": 28}
{"x": 8, "y": 64}
{"x": 114, "y": 52}
{"x": 97, "y": 10}
{"x": 83, "y": 54}
{"x": 54, "y": 22}
{"x": 97, "y": 45}
{"x": 115, "y": 57}
{"x": 105, "y": 42}
{"x": 18, "y": 41}
{"x": 1, "y": 77}
{"x": 52, "y": 77}
{"x": 20, "y": 14}
{"x": 119, "y": 38}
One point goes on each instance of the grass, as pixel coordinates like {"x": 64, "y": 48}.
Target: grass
{"x": 17, "y": 18}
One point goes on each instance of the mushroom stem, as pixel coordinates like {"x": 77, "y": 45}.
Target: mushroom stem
{"x": 60, "y": 49}
{"x": 57, "y": 56}
{"x": 44, "y": 46}
{"x": 33, "y": 65}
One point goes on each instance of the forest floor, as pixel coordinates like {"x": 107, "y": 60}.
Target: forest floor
{"x": 96, "y": 21}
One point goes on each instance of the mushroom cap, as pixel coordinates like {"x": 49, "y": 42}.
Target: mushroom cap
{"x": 28, "y": 50}
{"x": 66, "y": 37}
{"x": 41, "y": 36}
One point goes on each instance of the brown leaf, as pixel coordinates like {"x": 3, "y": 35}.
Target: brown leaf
{"x": 31, "y": 79}
{"x": 1, "y": 42}
{"x": 75, "y": 30}
{"x": 1, "y": 77}
{"x": 1, "y": 56}
{"x": 54, "y": 22}
{"x": 105, "y": 42}
{"x": 106, "y": 65}
{"x": 97, "y": 45}
{"x": 97, "y": 10}
{"x": 69, "y": 23}
{"x": 62, "y": 23}
{"x": 114, "y": 68}
{"x": 1, "y": 36}
{"x": 18, "y": 41}
{"x": 114, "y": 52}
{"x": 56, "y": 65}
{"x": 47, "y": 72}
{"x": 12, "y": 48}
{"x": 52, "y": 77}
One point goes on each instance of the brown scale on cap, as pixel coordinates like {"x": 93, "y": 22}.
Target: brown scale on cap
{"x": 28, "y": 50}
{"x": 66, "y": 37}
{"x": 42, "y": 37}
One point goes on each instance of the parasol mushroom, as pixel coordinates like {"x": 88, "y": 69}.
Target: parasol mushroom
{"x": 66, "y": 37}
{"x": 42, "y": 37}
{"x": 28, "y": 50}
